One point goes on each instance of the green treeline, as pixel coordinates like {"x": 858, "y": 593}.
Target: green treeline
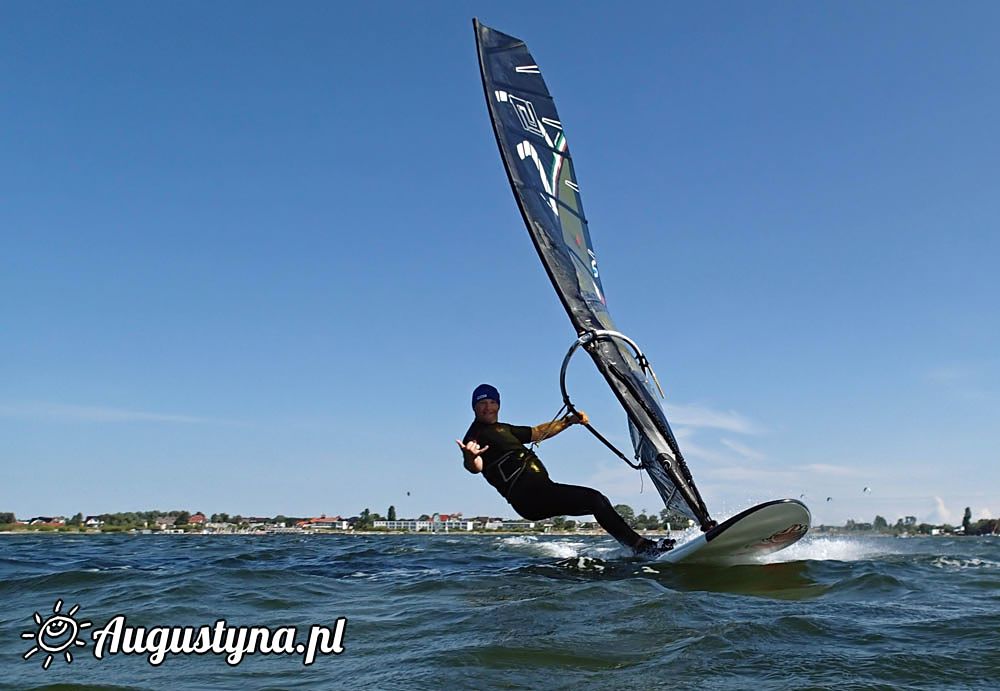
{"x": 909, "y": 525}
{"x": 125, "y": 521}
{"x": 664, "y": 520}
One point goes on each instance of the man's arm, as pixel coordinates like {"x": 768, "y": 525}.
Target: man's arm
{"x": 471, "y": 452}
{"x": 551, "y": 429}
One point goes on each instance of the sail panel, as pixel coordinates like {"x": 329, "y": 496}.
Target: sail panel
{"x": 536, "y": 155}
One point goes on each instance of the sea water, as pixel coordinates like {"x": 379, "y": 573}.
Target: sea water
{"x": 484, "y": 612}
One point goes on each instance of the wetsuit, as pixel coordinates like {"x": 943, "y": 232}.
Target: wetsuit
{"x": 518, "y": 474}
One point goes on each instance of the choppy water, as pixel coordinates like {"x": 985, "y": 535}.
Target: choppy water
{"x": 449, "y": 611}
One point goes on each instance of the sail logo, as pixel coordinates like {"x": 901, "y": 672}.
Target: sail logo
{"x": 548, "y": 175}
{"x": 525, "y": 111}
{"x": 526, "y": 150}
{"x": 526, "y": 114}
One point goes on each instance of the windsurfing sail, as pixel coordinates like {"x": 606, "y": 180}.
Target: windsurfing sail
{"x": 536, "y": 155}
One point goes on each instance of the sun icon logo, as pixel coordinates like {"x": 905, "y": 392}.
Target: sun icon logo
{"x": 56, "y": 634}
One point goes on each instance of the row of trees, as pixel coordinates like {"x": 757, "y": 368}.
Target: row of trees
{"x": 366, "y": 521}
{"x": 882, "y": 526}
{"x": 139, "y": 519}
{"x": 643, "y": 521}
{"x": 664, "y": 520}
{"x": 986, "y": 526}
{"x": 121, "y": 518}
{"x": 127, "y": 520}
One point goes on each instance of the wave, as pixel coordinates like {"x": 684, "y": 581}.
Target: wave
{"x": 958, "y": 564}
{"x": 564, "y": 548}
{"x": 832, "y": 549}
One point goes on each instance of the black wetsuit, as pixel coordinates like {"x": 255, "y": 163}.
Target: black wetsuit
{"x": 518, "y": 474}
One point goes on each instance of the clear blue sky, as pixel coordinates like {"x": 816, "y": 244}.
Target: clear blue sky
{"x": 254, "y": 257}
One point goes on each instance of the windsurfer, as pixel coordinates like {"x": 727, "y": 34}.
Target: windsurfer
{"x": 497, "y": 450}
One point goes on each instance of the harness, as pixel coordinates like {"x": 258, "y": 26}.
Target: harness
{"x": 510, "y": 466}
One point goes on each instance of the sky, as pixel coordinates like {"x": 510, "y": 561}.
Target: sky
{"x": 254, "y": 257}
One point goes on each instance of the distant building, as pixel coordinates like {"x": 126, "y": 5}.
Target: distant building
{"x": 218, "y": 527}
{"x": 450, "y": 521}
{"x": 488, "y": 523}
{"x": 48, "y": 521}
{"x": 407, "y": 524}
{"x": 324, "y": 523}
{"x": 93, "y": 521}
{"x": 444, "y": 522}
{"x": 164, "y": 522}
{"x": 197, "y": 519}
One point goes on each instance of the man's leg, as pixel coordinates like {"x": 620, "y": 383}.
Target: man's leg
{"x": 549, "y": 499}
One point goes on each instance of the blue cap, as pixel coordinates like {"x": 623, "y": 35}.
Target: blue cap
{"x": 485, "y": 391}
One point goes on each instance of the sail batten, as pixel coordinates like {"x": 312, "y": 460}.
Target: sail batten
{"x": 521, "y": 89}
{"x": 540, "y": 168}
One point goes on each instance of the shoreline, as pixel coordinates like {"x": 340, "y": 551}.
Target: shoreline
{"x": 428, "y": 533}
{"x": 260, "y": 533}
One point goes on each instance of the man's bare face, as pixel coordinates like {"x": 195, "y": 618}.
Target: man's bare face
{"x": 487, "y": 411}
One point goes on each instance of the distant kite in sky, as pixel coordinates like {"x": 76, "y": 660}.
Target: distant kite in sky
{"x": 867, "y": 490}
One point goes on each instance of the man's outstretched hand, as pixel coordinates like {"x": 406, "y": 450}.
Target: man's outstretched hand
{"x": 472, "y": 448}
{"x": 471, "y": 451}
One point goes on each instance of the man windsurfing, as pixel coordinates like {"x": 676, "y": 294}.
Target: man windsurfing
{"x": 497, "y": 450}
